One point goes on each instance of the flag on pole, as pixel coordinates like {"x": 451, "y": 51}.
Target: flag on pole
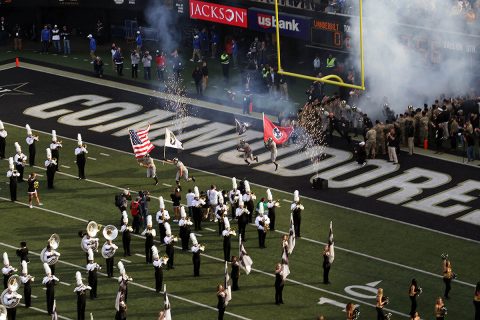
{"x": 227, "y": 285}
{"x": 54, "y": 314}
{"x": 285, "y": 267}
{"x": 278, "y": 134}
{"x": 172, "y": 141}
{"x": 241, "y": 127}
{"x": 245, "y": 261}
{"x": 166, "y": 304}
{"x": 331, "y": 248}
{"x": 140, "y": 142}
{"x": 291, "y": 236}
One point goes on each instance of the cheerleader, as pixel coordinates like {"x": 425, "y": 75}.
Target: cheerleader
{"x": 447, "y": 275}
{"x": 413, "y": 293}
{"x": 158, "y": 264}
{"x": 381, "y": 302}
{"x": 92, "y": 268}
{"x": 476, "y": 301}
{"x": 279, "y": 284}
{"x": 126, "y": 231}
{"x": 349, "y": 311}
{"x": 149, "y": 234}
{"x": 80, "y": 290}
{"x": 184, "y": 223}
{"x": 440, "y": 309}
{"x": 33, "y": 189}
{"x": 27, "y": 288}
{"x": 169, "y": 243}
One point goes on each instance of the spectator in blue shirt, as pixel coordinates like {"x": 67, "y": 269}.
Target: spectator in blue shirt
{"x": 93, "y": 47}
{"x": 139, "y": 41}
{"x": 215, "y": 40}
{"x": 45, "y": 39}
{"x": 196, "y": 48}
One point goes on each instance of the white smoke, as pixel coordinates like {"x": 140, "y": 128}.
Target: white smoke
{"x": 409, "y": 75}
{"x": 163, "y": 20}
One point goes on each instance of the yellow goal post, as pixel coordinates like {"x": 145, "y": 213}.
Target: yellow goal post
{"x": 331, "y": 78}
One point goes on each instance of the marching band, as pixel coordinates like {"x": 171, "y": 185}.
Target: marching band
{"x": 242, "y": 207}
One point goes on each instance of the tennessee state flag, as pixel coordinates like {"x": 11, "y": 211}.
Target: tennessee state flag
{"x": 278, "y": 134}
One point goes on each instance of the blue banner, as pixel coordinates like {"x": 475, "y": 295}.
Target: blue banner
{"x": 293, "y": 26}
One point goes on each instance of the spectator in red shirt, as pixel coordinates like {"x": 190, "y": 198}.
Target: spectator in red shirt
{"x": 135, "y": 211}
{"x": 161, "y": 62}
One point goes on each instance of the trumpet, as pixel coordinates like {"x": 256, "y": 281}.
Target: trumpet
{"x": 266, "y": 226}
{"x": 276, "y": 203}
{"x": 253, "y": 196}
{"x": 202, "y": 247}
{"x": 232, "y": 232}
{"x": 165, "y": 258}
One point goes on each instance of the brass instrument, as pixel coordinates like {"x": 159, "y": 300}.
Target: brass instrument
{"x": 232, "y": 232}
{"x": 253, "y": 196}
{"x": 202, "y": 247}
{"x": 13, "y": 284}
{"x": 54, "y": 243}
{"x": 92, "y": 230}
{"x": 165, "y": 259}
{"x": 266, "y": 226}
{"x": 356, "y": 313}
{"x": 110, "y": 233}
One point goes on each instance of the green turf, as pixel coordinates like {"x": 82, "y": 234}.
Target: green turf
{"x": 369, "y": 235}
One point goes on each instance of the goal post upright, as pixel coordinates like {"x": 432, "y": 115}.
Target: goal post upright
{"x": 331, "y": 78}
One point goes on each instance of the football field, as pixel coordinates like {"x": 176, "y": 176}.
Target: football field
{"x": 371, "y": 251}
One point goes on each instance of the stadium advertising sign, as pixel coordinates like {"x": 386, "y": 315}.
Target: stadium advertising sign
{"x": 290, "y": 25}
{"x": 213, "y": 12}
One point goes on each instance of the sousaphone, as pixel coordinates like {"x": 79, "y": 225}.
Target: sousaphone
{"x": 13, "y": 284}
{"x": 110, "y": 232}
{"x": 54, "y": 243}
{"x": 92, "y": 230}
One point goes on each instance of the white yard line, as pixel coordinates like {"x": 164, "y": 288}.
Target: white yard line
{"x": 65, "y": 283}
{"x": 34, "y": 296}
{"x": 44, "y": 311}
{"x": 209, "y": 229}
{"x": 125, "y": 260}
{"x": 91, "y": 158}
{"x": 133, "y": 284}
{"x": 167, "y": 185}
{"x": 104, "y": 154}
{"x": 64, "y": 166}
{"x": 40, "y": 175}
{"x": 285, "y": 200}
{"x": 140, "y": 255}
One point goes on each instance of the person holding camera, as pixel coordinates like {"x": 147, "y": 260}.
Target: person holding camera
{"x": 147, "y": 65}
{"x": 135, "y": 59}
{"x": 118, "y": 59}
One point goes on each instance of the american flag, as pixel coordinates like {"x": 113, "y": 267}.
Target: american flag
{"x": 140, "y": 143}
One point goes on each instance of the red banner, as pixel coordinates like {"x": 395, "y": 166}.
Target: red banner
{"x": 278, "y": 134}
{"x": 232, "y": 16}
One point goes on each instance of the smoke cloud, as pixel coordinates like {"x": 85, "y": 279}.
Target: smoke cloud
{"x": 163, "y": 20}
{"x": 415, "y": 52}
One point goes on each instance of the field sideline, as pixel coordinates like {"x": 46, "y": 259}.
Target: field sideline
{"x": 373, "y": 249}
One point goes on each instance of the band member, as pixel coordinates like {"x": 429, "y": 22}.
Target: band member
{"x": 244, "y": 147}
{"x": 248, "y": 199}
{"x": 285, "y": 251}
{"x": 198, "y": 204}
{"x": 3, "y": 136}
{"x": 413, "y": 292}
{"x": 135, "y": 212}
{"x": 381, "y": 302}
{"x": 271, "y": 205}
{"x": 22, "y": 252}
{"x": 296, "y": 209}
{"x": 92, "y": 268}
{"x": 326, "y": 264}
{"x": 27, "y": 288}
{"x": 272, "y": 147}
{"x": 169, "y": 241}
{"x": 416, "y": 316}
{"x": 221, "y": 304}
{"x": 12, "y": 299}
{"x": 81, "y": 154}
{"x": 182, "y": 172}
{"x": 87, "y": 243}
{"x": 50, "y": 164}
{"x": 235, "y": 273}
{"x": 162, "y": 217}
{"x": 123, "y": 280}
{"x": 50, "y": 254}
{"x": 149, "y": 234}
{"x": 32, "y": 190}
{"x": 148, "y": 163}
{"x": 108, "y": 247}
{"x": 158, "y": 264}
{"x": 184, "y": 223}
{"x": 7, "y": 270}
{"x": 227, "y": 234}
{"x": 242, "y": 217}
{"x": 448, "y": 275}
{"x": 262, "y": 223}
{"x": 476, "y": 301}
{"x": 196, "y": 250}
{"x": 440, "y": 309}
{"x": 126, "y": 231}
{"x": 55, "y": 147}
{"x": 13, "y": 176}
{"x": 81, "y": 291}
{"x": 49, "y": 282}
{"x": 234, "y": 195}
{"x": 20, "y": 160}
{"x": 31, "y": 139}
{"x": 279, "y": 284}
{"x": 212, "y": 196}
{"x": 220, "y": 212}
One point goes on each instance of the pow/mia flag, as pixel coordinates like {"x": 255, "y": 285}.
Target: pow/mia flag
{"x": 172, "y": 141}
